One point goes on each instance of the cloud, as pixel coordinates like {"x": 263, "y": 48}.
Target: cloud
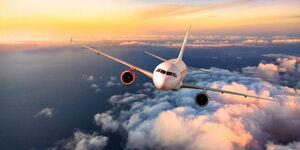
{"x": 106, "y": 121}
{"x": 282, "y": 56}
{"x": 129, "y": 43}
{"x": 286, "y": 41}
{"x": 177, "y": 44}
{"x": 286, "y": 64}
{"x": 255, "y": 42}
{"x": 112, "y": 82}
{"x": 94, "y": 85}
{"x": 286, "y": 71}
{"x": 88, "y": 77}
{"x": 82, "y": 141}
{"x": 211, "y": 135}
{"x": 290, "y": 146}
{"x": 98, "y": 90}
{"x": 154, "y": 119}
{"x": 208, "y": 41}
{"x": 269, "y": 72}
{"x": 46, "y": 112}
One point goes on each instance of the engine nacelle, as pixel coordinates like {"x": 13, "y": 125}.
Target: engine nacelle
{"x": 201, "y": 99}
{"x": 128, "y": 77}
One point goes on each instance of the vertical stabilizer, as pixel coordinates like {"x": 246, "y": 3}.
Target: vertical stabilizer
{"x": 183, "y": 44}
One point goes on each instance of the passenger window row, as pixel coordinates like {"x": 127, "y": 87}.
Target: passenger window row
{"x": 166, "y": 72}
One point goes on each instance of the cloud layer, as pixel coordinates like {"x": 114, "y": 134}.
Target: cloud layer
{"x": 156, "y": 119}
{"x": 214, "y": 41}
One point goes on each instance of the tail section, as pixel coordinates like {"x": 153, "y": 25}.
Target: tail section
{"x": 183, "y": 44}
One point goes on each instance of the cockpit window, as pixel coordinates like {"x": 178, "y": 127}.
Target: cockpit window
{"x": 174, "y": 75}
{"x": 166, "y": 72}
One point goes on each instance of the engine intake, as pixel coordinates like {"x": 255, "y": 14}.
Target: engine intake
{"x": 201, "y": 99}
{"x": 128, "y": 77}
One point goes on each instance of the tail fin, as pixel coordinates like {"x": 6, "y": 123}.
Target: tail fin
{"x": 183, "y": 44}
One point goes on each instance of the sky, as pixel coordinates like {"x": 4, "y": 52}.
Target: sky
{"x": 66, "y": 97}
{"x": 55, "y": 95}
{"x": 56, "y": 20}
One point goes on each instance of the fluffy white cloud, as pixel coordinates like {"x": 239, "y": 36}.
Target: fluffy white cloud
{"x": 106, "y": 121}
{"x": 290, "y": 146}
{"x": 156, "y": 119}
{"x": 265, "y": 71}
{"x": 82, "y": 141}
{"x": 286, "y": 71}
{"x": 46, "y": 112}
{"x": 269, "y": 70}
{"x": 287, "y": 64}
{"x": 199, "y": 132}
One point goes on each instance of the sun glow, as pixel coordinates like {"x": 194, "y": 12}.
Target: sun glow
{"x": 93, "y": 19}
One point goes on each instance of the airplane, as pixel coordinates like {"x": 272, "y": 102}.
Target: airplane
{"x": 168, "y": 75}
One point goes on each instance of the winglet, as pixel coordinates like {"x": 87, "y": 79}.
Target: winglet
{"x": 71, "y": 40}
{"x": 183, "y": 44}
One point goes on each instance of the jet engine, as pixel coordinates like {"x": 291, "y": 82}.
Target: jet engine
{"x": 128, "y": 77}
{"x": 201, "y": 99}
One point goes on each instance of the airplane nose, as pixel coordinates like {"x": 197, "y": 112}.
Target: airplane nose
{"x": 163, "y": 85}
{"x": 159, "y": 82}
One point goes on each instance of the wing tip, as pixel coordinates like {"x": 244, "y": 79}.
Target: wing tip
{"x": 199, "y": 69}
{"x": 269, "y": 99}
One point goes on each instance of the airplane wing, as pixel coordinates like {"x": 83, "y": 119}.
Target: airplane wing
{"x": 222, "y": 91}
{"x": 143, "y": 71}
{"x": 189, "y": 68}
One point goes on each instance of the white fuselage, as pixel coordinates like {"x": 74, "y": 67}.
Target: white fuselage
{"x": 169, "y": 74}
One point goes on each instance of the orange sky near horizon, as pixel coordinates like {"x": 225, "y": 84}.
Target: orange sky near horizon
{"x": 55, "y": 20}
